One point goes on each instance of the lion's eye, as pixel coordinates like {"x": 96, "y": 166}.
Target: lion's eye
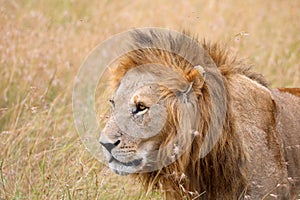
{"x": 140, "y": 109}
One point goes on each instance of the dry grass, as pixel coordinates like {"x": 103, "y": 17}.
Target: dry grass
{"x": 42, "y": 45}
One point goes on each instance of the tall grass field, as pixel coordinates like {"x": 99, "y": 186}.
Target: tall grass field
{"x": 44, "y": 42}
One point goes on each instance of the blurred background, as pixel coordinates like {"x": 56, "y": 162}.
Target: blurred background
{"x": 42, "y": 45}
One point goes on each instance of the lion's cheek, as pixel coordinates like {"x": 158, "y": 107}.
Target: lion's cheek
{"x": 146, "y": 119}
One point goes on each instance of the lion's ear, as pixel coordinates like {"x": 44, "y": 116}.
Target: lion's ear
{"x": 202, "y": 73}
{"x": 200, "y": 70}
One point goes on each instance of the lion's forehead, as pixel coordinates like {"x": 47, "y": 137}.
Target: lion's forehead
{"x": 148, "y": 74}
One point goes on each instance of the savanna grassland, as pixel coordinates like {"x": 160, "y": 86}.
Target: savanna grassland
{"x": 44, "y": 42}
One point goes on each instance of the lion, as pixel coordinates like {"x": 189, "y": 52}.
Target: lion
{"x": 256, "y": 156}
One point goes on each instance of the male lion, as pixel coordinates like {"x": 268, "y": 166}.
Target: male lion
{"x": 257, "y": 154}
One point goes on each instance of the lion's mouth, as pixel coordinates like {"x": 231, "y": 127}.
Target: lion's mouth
{"x": 134, "y": 163}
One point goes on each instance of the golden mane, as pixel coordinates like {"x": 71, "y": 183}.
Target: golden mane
{"x": 224, "y": 172}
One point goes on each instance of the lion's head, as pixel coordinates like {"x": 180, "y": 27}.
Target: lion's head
{"x": 159, "y": 96}
{"x": 154, "y": 112}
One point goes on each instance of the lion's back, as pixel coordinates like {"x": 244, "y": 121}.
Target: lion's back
{"x": 288, "y": 109}
{"x": 267, "y": 122}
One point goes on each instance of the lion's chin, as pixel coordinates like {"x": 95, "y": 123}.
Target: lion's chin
{"x": 125, "y": 168}
{"x": 120, "y": 172}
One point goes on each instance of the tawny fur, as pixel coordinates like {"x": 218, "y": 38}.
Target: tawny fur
{"x": 258, "y": 154}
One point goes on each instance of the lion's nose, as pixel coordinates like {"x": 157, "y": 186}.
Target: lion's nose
{"x": 110, "y": 146}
